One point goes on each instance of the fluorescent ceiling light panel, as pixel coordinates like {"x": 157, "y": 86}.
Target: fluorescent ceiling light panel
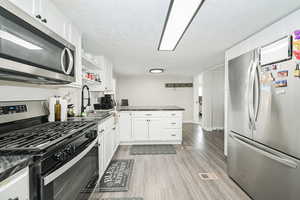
{"x": 12, "y": 38}
{"x": 180, "y": 15}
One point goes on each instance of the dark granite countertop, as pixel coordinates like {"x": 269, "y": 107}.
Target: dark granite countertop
{"x": 92, "y": 117}
{"x": 150, "y": 108}
{"x": 10, "y": 164}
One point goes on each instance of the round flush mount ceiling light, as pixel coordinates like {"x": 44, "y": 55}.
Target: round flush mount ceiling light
{"x": 156, "y": 70}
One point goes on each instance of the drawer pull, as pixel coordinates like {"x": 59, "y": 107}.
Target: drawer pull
{"x": 173, "y": 135}
{"x": 148, "y": 114}
{"x": 173, "y": 123}
{"x": 173, "y": 114}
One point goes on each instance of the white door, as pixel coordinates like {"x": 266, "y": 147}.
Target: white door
{"x": 118, "y": 133}
{"x": 15, "y": 186}
{"x": 114, "y": 138}
{"x": 156, "y": 128}
{"x": 107, "y": 147}
{"x": 125, "y": 126}
{"x": 52, "y": 17}
{"x": 140, "y": 129}
{"x": 100, "y": 154}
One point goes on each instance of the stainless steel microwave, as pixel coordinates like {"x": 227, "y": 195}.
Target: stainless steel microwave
{"x": 31, "y": 52}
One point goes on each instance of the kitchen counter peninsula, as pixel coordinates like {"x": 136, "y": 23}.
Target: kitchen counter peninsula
{"x": 150, "y": 124}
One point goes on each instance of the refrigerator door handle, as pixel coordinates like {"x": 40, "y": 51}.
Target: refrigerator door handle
{"x": 257, "y": 89}
{"x": 250, "y": 95}
{"x": 267, "y": 154}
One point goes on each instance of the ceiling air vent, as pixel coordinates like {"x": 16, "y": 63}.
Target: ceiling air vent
{"x": 178, "y": 85}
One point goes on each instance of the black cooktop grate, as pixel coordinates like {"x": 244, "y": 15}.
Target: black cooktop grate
{"x": 41, "y": 136}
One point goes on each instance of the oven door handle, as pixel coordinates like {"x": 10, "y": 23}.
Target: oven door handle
{"x": 51, "y": 177}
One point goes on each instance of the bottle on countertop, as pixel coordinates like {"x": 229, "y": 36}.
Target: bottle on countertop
{"x": 57, "y": 110}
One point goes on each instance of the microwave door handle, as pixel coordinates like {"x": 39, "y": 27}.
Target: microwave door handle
{"x": 63, "y": 53}
{"x": 272, "y": 156}
{"x": 71, "y": 61}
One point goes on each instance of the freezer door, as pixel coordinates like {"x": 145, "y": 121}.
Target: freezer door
{"x": 263, "y": 173}
{"x": 239, "y": 70}
{"x": 277, "y": 120}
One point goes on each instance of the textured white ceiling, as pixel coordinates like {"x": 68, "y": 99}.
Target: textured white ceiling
{"x": 128, "y": 31}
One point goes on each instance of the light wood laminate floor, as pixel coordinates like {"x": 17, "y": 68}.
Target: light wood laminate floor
{"x": 175, "y": 177}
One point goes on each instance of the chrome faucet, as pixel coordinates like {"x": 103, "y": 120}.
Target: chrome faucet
{"x": 82, "y": 98}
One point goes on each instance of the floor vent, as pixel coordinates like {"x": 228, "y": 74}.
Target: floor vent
{"x": 208, "y": 176}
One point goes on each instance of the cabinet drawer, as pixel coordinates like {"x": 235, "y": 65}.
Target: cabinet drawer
{"x": 173, "y": 123}
{"x": 147, "y": 114}
{"x": 172, "y": 134}
{"x": 106, "y": 125}
{"x": 177, "y": 114}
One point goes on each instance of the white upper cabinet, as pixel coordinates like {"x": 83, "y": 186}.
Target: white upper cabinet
{"x": 29, "y": 6}
{"x": 52, "y": 17}
{"x": 47, "y": 13}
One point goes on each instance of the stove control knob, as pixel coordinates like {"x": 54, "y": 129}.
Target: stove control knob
{"x": 70, "y": 149}
{"x": 91, "y": 134}
{"x": 60, "y": 156}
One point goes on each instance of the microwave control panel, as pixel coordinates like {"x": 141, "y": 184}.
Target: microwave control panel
{"x": 6, "y": 110}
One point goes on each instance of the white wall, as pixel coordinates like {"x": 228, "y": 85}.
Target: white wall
{"x": 151, "y": 91}
{"x": 213, "y": 99}
{"x": 271, "y": 33}
{"x": 14, "y": 91}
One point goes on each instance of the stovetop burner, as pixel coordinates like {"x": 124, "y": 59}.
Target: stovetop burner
{"x": 40, "y": 137}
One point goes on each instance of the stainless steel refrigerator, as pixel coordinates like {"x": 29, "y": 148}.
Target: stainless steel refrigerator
{"x": 264, "y": 123}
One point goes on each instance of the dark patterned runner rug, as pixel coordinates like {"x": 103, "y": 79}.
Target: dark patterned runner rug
{"x": 152, "y": 149}
{"x": 115, "y": 179}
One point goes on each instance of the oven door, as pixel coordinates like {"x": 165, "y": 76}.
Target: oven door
{"x": 31, "y": 50}
{"x": 67, "y": 182}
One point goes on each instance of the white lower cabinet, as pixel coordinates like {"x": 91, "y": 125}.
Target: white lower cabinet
{"x": 101, "y": 154}
{"x": 172, "y": 134}
{"x": 151, "y": 127}
{"x": 125, "y": 126}
{"x": 16, "y": 186}
{"x": 140, "y": 129}
{"x": 156, "y": 129}
{"x": 108, "y": 142}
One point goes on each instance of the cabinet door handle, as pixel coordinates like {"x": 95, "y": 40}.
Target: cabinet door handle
{"x": 44, "y": 20}
{"x": 114, "y": 128}
{"x": 102, "y": 130}
{"x": 38, "y": 16}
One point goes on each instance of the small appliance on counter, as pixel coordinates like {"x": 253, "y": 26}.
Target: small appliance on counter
{"x": 106, "y": 102}
{"x": 57, "y": 107}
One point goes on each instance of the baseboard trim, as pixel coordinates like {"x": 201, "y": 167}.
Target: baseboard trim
{"x": 213, "y": 128}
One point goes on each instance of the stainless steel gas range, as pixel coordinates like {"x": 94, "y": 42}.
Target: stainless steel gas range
{"x": 65, "y": 154}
